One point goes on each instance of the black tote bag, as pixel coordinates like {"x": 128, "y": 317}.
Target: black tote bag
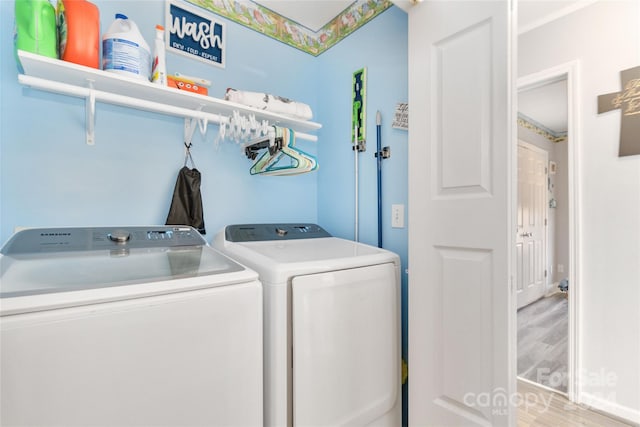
{"x": 186, "y": 205}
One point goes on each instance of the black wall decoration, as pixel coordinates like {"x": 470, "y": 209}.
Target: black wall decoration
{"x": 628, "y": 102}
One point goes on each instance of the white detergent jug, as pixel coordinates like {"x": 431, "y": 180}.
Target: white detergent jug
{"x": 124, "y": 50}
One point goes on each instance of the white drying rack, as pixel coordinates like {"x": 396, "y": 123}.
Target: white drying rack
{"x": 94, "y": 85}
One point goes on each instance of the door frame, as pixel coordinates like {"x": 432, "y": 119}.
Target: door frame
{"x": 571, "y": 72}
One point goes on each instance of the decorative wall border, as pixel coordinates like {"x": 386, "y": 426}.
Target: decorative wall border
{"x": 271, "y": 24}
{"x": 532, "y": 125}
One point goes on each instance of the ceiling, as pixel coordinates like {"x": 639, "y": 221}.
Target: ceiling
{"x": 313, "y": 14}
{"x": 533, "y": 13}
{"x": 546, "y": 105}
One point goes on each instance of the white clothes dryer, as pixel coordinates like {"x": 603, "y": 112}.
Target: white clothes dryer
{"x": 127, "y": 326}
{"x": 331, "y": 325}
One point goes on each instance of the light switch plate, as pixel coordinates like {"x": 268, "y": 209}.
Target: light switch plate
{"x": 397, "y": 216}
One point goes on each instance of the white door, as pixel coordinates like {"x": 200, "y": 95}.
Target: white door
{"x": 461, "y": 213}
{"x": 531, "y": 237}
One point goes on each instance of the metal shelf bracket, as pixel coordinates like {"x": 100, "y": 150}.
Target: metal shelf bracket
{"x": 191, "y": 123}
{"x": 90, "y": 116}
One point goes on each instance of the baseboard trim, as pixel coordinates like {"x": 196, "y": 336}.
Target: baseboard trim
{"x": 542, "y": 387}
{"x": 553, "y": 290}
{"x": 609, "y": 408}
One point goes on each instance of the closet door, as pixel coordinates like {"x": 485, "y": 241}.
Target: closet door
{"x": 346, "y": 347}
{"x": 461, "y": 304}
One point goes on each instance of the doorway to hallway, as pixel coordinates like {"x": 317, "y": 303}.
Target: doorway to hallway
{"x": 547, "y": 314}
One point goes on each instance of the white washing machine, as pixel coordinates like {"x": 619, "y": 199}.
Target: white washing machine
{"x": 127, "y": 326}
{"x": 332, "y": 325}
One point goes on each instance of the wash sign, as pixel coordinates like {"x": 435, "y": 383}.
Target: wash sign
{"x": 195, "y": 33}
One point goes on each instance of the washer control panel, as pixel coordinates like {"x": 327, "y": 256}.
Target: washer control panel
{"x": 39, "y": 240}
{"x": 264, "y": 232}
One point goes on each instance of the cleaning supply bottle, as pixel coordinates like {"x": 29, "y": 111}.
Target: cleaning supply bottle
{"x": 124, "y": 50}
{"x": 79, "y": 29}
{"x": 35, "y": 27}
{"x": 159, "y": 68}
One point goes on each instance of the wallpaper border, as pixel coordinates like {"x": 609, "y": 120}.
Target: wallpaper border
{"x": 269, "y": 23}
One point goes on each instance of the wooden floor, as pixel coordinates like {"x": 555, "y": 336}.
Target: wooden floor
{"x": 542, "y": 408}
{"x": 542, "y": 342}
{"x": 543, "y": 358}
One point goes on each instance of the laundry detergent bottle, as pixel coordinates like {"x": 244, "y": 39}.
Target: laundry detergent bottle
{"x": 124, "y": 50}
{"x": 35, "y": 27}
{"x": 79, "y": 29}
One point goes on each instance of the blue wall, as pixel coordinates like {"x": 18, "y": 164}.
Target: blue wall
{"x": 50, "y": 177}
{"x": 380, "y": 46}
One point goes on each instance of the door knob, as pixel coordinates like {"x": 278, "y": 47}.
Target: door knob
{"x": 529, "y": 234}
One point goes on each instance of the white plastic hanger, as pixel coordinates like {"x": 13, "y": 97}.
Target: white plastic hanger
{"x": 271, "y": 163}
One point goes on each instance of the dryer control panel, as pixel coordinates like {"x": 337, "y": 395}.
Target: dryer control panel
{"x": 50, "y": 240}
{"x": 265, "y": 232}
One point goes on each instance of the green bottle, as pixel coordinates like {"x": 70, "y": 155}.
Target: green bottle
{"x": 36, "y": 29}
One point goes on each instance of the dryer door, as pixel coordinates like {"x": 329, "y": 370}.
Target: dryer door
{"x": 346, "y": 347}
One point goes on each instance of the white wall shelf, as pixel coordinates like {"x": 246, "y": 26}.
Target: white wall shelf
{"x": 54, "y": 75}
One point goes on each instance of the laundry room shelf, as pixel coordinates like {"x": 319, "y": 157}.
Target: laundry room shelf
{"x": 54, "y": 75}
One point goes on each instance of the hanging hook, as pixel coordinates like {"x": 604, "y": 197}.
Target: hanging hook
{"x": 187, "y": 155}
{"x": 202, "y": 125}
{"x": 189, "y": 129}
{"x": 222, "y": 130}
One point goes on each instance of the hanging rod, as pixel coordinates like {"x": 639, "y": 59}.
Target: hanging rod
{"x": 92, "y": 95}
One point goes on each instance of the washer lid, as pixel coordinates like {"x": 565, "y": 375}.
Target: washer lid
{"x": 40, "y": 261}
{"x": 305, "y": 251}
{"x": 278, "y": 260}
